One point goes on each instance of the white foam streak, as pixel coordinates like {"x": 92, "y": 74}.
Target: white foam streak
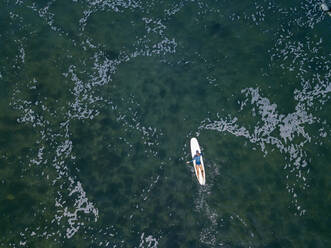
{"x": 289, "y": 126}
{"x": 148, "y": 242}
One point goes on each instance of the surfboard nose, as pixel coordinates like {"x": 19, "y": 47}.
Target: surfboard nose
{"x": 324, "y": 7}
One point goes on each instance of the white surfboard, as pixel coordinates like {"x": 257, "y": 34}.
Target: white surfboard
{"x": 198, "y": 172}
{"x": 326, "y": 8}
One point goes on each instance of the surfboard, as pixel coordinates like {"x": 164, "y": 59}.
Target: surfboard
{"x": 198, "y": 172}
{"x": 326, "y": 8}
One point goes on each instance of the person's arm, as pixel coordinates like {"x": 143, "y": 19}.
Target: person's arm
{"x": 191, "y": 160}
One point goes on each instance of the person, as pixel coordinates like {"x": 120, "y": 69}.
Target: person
{"x": 326, "y": 8}
{"x": 197, "y": 159}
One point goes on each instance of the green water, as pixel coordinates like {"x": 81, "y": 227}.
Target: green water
{"x": 99, "y": 100}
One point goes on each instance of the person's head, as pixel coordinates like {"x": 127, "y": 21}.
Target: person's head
{"x": 197, "y": 152}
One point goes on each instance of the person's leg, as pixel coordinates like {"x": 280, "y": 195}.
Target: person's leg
{"x": 201, "y": 169}
{"x": 197, "y": 169}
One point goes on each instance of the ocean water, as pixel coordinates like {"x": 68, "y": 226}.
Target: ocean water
{"x": 99, "y": 100}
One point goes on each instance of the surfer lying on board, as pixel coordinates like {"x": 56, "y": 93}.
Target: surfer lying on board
{"x": 197, "y": 158}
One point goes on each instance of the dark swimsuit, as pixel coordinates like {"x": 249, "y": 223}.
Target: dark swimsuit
{"x": 197, "y": 159}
